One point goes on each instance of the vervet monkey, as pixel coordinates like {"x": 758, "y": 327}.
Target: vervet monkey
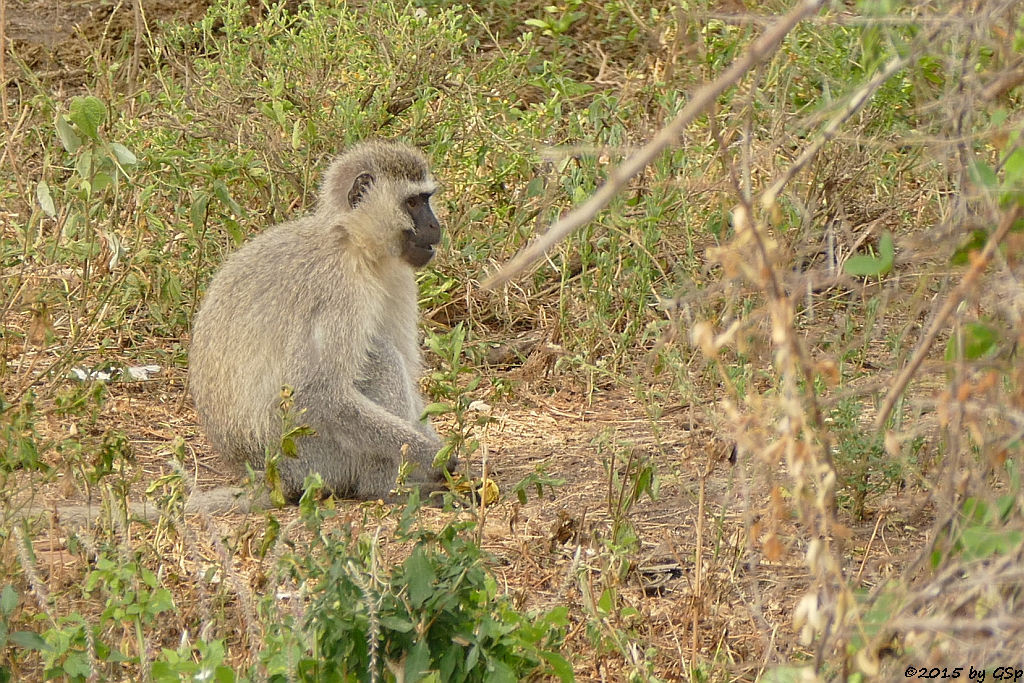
{"x": 327, "y": 305}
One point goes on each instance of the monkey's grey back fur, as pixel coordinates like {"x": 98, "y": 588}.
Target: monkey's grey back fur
{"x": 326, "y": 304}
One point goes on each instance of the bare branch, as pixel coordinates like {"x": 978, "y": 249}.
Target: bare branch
{"x": 859, "y": 99}
{"x": 761, "y": 49}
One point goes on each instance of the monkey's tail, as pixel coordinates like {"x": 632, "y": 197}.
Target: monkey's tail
{"x": 224, "y": 500}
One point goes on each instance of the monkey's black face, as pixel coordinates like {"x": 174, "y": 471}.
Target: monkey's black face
{"x": 418, "y": 247}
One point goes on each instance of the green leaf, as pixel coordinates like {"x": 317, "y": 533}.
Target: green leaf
{"x": 559, "y": 616}
{"x": 861, "y": 266}
{"x": 69, "y": 139}
{"x": 787, "y": 674}
{"x": 1014, "y": 167}
{"x": 442, "y": 457}
{"x": 642, "y": 483}
{"x": 197, "y": 212}
{"x": 983, "y": 175}
{"x": 44, "y": 199}
{"x": 101, "y": 180}
{"x": 1004, "y": 506}
{"x": 981, "y": 542}
{"x": 123, "y": 154}
{"x": 77, "y": 665}
{"x": 221, "y": 191}
{"x": 223, "y": 674}
{"x": 886, "y": 248}
{"x": 864, "y": 265}
{"x": 162, "y": 601}
{"x": 976, "y": 242}
{"x": 418, "y": 662}
{"x": 162, "y": 671}
{"x": 235, "y": 231}
{"x": 560, "y": 665}
{"x": 448, "y": 661}
{"x": 979, "y": 340}
{"x": 500, "y": 672}
{"x": 115, "y": 656}
{"x": 8, "y": 600}
{"x": 396, "y": 623}
{"x": 270, "y": 535}
{"x": 419, "y": 577}
{"x": 266, "y": 109}
{"x": 30, "y": 640}
{"x": 83, "y": 164}
{"x": 437, "y": 409}
{"x": 289, "y": 447}
{"x": 535, "y": 188}
{"x": 88, "y": 113}
{"x": 148, "y": 577}
{"x": 472, "y": 657}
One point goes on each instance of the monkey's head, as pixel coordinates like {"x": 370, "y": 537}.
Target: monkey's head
{"x": 380, "y": 192}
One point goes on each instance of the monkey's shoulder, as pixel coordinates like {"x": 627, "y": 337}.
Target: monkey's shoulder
{"x": 294, "y": 237}
{"x": 284, "y": 254}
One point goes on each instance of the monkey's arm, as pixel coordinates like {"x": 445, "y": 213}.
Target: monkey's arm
{"x": 390, "y": 384}
{"x": 370, "y": 427}
{"x": 340, "y": 413}
{"x": 356, "y": 387}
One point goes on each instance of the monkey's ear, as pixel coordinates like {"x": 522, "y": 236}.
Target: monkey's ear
{"x": 360, "y": 186}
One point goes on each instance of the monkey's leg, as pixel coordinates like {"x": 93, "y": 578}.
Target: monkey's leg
{"x": 357, "y": 448}
{"x": 346, "y": 471}
{"x": 326, "y": 453}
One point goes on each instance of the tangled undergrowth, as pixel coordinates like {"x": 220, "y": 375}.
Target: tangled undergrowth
{"x": 761, "y": 417}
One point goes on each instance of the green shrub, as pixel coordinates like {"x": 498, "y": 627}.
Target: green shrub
{"x": 436, "y": 616}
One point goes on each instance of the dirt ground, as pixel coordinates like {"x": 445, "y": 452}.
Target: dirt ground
{"x": 46, "y": 24}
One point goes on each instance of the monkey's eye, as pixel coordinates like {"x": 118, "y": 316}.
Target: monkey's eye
{"x": 418, "y": 201}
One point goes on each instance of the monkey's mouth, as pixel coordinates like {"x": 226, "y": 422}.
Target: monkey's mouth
{"x": 418, "y": 254}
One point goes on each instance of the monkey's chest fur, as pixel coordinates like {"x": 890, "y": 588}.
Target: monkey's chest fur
{"x": 385, "y": 379}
